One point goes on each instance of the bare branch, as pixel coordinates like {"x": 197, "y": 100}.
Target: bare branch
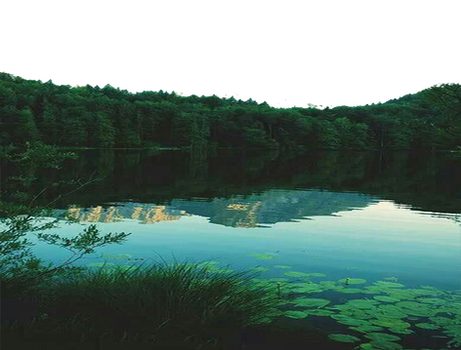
{"x": 81, "y": 185}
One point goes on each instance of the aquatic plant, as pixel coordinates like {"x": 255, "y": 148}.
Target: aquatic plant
{"x": 160, "y": 300}
{"x": 296, "y": 274}
{"x": 388, "y": 312}
{"x": 317, "y": 312}
{"x": 348, "y": 281}
{"x": 305, "y": 288}
{"x": 310, "y": 302}
{"x": 344, "y": 338}
{"x": 386, "y": 284}
{"x": 386, "y": 299}
{"x": 295, "y": 314}
{"x": 427, "y": 326}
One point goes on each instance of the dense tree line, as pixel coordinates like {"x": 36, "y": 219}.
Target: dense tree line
{"x": 109, "y": 117}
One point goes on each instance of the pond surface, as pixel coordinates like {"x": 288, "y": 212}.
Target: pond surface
{"x": 373, "y": 240}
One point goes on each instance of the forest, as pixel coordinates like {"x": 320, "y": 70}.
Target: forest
{"x": 108, "y": 117}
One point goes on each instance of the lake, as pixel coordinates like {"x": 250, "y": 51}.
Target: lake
{"x": 374, "y": 240}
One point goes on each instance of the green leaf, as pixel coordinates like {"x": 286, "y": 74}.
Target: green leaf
{"x": 295, "y": 314}
{"x": 310, "y": 302}
{"x": 352, "y": 281}
{"x": 343, "y": 338}
{"x": 296, "y": 274}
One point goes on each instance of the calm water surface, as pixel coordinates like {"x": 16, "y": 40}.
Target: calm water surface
{"x": 364, "y": 217}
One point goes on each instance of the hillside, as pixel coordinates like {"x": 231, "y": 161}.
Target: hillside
{"x": 107, "y": 117}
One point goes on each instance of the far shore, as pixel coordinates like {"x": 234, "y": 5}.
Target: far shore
{"x": 142, "y": 148}
{"x": 186, "y": 148}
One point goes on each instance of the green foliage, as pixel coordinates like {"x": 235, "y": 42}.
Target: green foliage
{"x": 109, "y": 117}
{"x": 327, "y": 135}
{"x": 256, "y": 138}
{"x": 104, "y": 131}
{"x": 20, "y": 217}
{"x": 73, "y": 130}
{"x": 50, "y": 128}
{"x": 160, "y": 301}
{"x": 27, "y": 129}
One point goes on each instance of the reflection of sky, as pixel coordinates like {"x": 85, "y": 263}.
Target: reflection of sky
{"x": 386, "y": 221}
{"x": 379, "y": 241}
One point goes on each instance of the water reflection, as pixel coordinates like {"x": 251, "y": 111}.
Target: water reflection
{"x": 257, "y": 210}
{"x": 359, "y": 226}
{"x": 249, "y": 190}
{"x": 391, "y": 215}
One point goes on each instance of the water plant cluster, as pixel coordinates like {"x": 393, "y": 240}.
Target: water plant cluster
{"x": 377, "y": 315}
{"x": 170, "y": 305}
{"x": 200, "y": 304}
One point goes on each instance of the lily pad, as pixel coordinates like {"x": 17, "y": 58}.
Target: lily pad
{"x": 362, "y": 303}
{"x": 317, "y": 312}
{"x": 352, "y": 281}
{"x": 295, "y": 314}
{"x": 416, "y": 309}
{"x": 316, "y": 274}
{"x": 386, "y": 284}
{"x": 308, "y": 288}
{"x": 391, "y": 278}
{"x": 329, "y": 285}
{"x": 429, "y": 326}
{"x": 382, "y": 337}
{"x": 343, "y": 338}
{"x": 403, "y": 294}
{"x": 433, "y": 301}
{"x": 386, "y": 299}
{"x": 348, "y": 290}
{"x": 283, "y": 267}
{"x": 389, "y": 310}
{"x": 361, "y": 314}
{"x": 391, "y": 323}
{"x": 296, "y": 274}
{"x": 410, "y": 305}
{"x": 367, "y": 328}
{"x": 386, "y": 345}
{"x": 374, "y": 290}
{"x": 353, "y": 322}
{"x": 424, "y": 292}
{"x": 401, "y": 330}
{"x": 310, "y": 302}
{"x": 443, "y": 321}
{"x": 340, "y": 317}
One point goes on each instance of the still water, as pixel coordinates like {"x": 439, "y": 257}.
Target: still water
{"x": 366, "y": 245}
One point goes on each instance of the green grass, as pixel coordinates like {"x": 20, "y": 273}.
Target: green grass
{"x": 161, "y": 303}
